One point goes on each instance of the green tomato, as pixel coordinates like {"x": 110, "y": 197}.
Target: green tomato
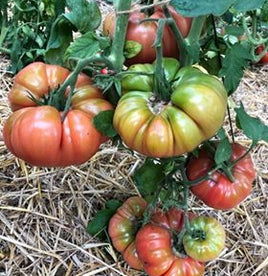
{"x": 206, "y": 239}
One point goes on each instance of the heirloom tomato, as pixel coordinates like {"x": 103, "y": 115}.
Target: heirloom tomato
{"x": 145, "y": 33}
{"x": 155, "y": 128}
{"x": 37, "y": 134}
{"x": 206, "y": 240}
{"x": 219, "y": 191}
{"x": 155, "y": 248}
{"x": 123, "y": 227}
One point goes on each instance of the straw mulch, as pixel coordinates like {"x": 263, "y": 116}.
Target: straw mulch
{"x": 44, "y": 212}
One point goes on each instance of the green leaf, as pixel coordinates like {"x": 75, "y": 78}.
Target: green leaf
{"x": 101, "y": 219}
{"x": 103, "y": 122}
{"x": 234, "y": 30}
{"x": 248, "y": 5}
{"x": 223, "y": 151}
{"x": 219, "y": 7}
{"x": 201, "y": 7}
{"x": 86, "y": 46}
{"x": 222, "y": 134}
{"x": 132, "y": 48}
{"x": 252, "y": 127}
{"x": 59, "y": 40}
{"x": 85, "y": 15}
{"x": 236, "y": 59}
{"x": 148, "y": 177}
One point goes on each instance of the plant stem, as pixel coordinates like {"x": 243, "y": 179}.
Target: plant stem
{"x": 161, "y": 85}
{"x": 116, "y": 56}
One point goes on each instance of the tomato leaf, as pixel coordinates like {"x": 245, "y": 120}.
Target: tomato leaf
{"x": 59, "y": 40}
{"x": 205, "y": 7}
{"x": 234, "y": 30}
{"x": 132, "y": 48}
{"x": 236, "y": 59}
{"x": 86, "y": 46}
{"x": 248, "y": 5}
{"x": 252, "y": 127}
{"x": 103, "y": 122}
{"x": 148, "y": 177}
{"x": 223, "y": 151}
{"x": 85, "y": 15}
{"x": 101, "y": 219}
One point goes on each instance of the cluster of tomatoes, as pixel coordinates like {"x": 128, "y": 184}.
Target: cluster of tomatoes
{"x": 166, "y": 245}
{"x": 159, "y": 247}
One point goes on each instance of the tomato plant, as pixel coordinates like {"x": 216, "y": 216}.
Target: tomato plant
{"x": 219, "y": 191}
{"x": 165, "y": 129}
{"x": 37, "y": 134}
{"x": 123, "y": 227}
{"x": 145, "y": 34}
{"x": 206, "y": 239}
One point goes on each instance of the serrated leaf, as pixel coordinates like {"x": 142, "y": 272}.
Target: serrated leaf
{"x": 148, "y": 177}
{"x": 59, "y": 40}
{"x": 222, "y": 134}
{"x": 201, "y": 7}
{"x": 223, "y": 151}
{"x": 236, "y": 59}
{"x": 85, "y": 15}
{"x": 113, "y": 204}
{"x": 234, "y": 30}
{"x": 252, "y": 127}
{"x": 99, "y": 222}
{"x": 86, "y": 46}
{"x": 248, "y": 5}
{"x": 204, "y": 7}
{"x": 103, "y": 122}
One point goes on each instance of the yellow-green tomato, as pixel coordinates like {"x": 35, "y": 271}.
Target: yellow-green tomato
{"x": 155, "y": 128}
{"x": 206, "y": 239}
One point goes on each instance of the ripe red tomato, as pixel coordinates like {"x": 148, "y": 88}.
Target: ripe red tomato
{"x": 218, "y": 191}
{"x": 145, "y": 33}
{"x": 123, "y": 227}
{"x": 155, "y": 250}
{"x": 210, "y": 242}
{"x": 264, "y": 59}
{"x": 37, "y": 134}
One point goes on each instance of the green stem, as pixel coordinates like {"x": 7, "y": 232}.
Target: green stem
{"x": 161, "y": 85}
{"x": 71, "y": 80}
{"x": 233, "y": 163}
{"x": 251, "y": 39}
{"x": 179, "y": 38}
{"x": 116, "y": 56}
{"x": 5, "y": 50}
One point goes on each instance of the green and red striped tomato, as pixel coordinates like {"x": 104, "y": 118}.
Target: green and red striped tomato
{"x": 195, "y": 112}
{"x": 37, "y": 134}
{"x": 155, "y": 248}
{"x": 123, "y": 227}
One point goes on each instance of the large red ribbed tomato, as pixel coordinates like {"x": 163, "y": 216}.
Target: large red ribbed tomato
{"x": 123, "y": 227}
{"x": 145, "y": 33}
{"x": 219, "y": 191}
{"x": 156, "y": 251}
{"x": 155, "y": 128}
{"x": 37, "y": 134}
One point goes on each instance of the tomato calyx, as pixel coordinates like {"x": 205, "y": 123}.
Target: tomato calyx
{"x": 198, "y": 235}
{"x": 53, "y": 99}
